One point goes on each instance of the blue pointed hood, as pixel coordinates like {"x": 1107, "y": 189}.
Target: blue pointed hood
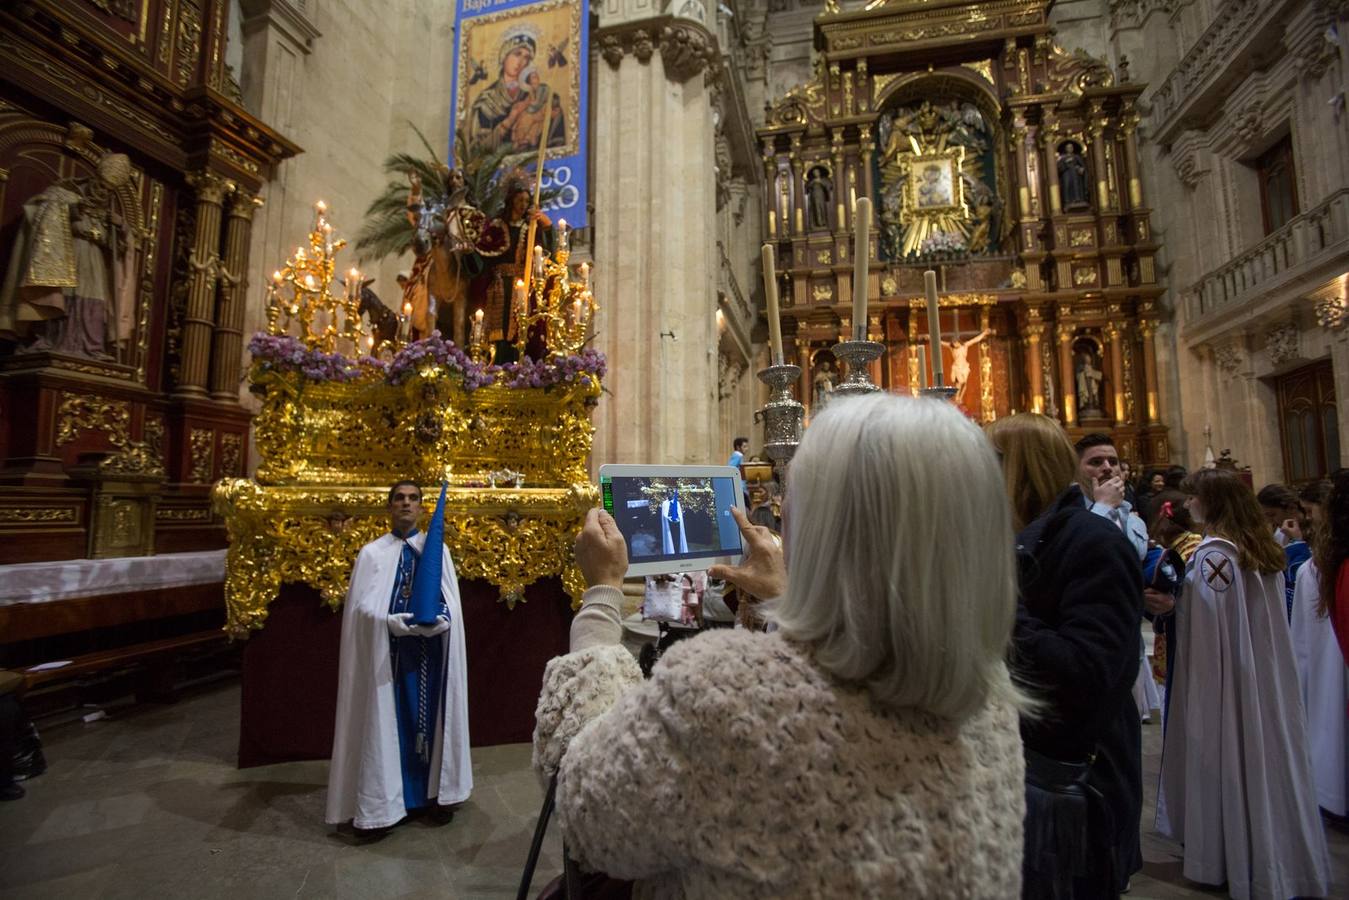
{"x": 426, "y": 599}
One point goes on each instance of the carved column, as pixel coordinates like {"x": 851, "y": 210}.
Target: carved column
{"x": 1034, "y": 367}
{"x": 227, "y": 348}
{"x": 1049, "y": 139}
{"x": 1130, "y": 126}
{"x": 868, "y": 146}
{"x": 204, "y": 272}
{"x": 1116, "y": 337}
{"x": 798, "y": 211}
{"x": 1148, "y": 328}
{"x": 1067, "y": 381}
{"x": 770, "y": 192}
{"x": 803, "y": 362}
{"x": 840, "y": 179}
{"x": 1022, "y": 167}
{"x": 1096, "y": 128}
{"x": 863, "y": 87}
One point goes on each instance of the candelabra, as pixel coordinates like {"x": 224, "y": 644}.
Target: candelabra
{"x": 323, "y": 317}
{"x": 858, "y": 355}
{"x": 781, "y": 415}
{"x": 562, "y": 307}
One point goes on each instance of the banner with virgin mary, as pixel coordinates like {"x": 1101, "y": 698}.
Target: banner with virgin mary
{"x": 520, "y": 67}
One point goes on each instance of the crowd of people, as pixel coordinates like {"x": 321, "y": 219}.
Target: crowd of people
{"x": 942, "y": 699}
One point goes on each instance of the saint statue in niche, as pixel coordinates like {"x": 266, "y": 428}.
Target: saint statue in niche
{"x": 70, "y": 285}
{"x": 825, "y": 379}
{"x": 1088, "y": 376}
{"x": 819, "y": 193}
{"x": 1073, "y": 188}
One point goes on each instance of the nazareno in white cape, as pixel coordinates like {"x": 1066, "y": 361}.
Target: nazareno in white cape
{"x": 1236, "y": 781}
{"x": 1324, "y": 681}
{"x": 365, "y": 782}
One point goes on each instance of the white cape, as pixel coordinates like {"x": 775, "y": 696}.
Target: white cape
{"x": 365, "y": 782}
{"x": 1324, "y": 682}
{"x": 1236, "y": 783}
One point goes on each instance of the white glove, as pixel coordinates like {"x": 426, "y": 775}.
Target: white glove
{"x": 400, "y": 625}
{"x": 442, "y": 625}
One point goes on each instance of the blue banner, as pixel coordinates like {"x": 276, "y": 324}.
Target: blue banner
{"x": 521, "y": 66}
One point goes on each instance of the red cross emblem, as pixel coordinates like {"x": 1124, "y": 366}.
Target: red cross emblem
{"x": 1218, "y": 571}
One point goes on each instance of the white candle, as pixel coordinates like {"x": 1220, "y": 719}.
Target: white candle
{"x": 770, "y": 290}
{"x": 861, "y": 264}
{"x": 563, "y": 243}
{"x": 585, "y": 275}
{"x": 538, "y": 263}
{"x": 933, "y": 324}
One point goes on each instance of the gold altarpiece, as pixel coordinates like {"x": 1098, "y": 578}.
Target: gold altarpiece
{"x": 999, "y": 159}
{"x": 128, "y": 110}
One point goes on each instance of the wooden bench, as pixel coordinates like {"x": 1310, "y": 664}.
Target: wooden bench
{"x": 122, "y": 658}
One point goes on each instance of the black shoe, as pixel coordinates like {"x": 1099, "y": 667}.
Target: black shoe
{"x": 11, "y": 791}
{"x": 440, "y": 815}
{"x": 369, "y": 835}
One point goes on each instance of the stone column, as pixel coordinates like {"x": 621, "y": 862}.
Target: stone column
{"x": 1067, "y": 381}
{"x": 770, "y": 192}
{"x": 227, "y": 347}
{"x": 1116, "y": 337}
{"x": 204, "y": 272}
{"x": 656, "y": 259}
{"x": 1148, "y": 329}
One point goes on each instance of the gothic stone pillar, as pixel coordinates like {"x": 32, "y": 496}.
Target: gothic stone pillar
{"x": 656, "y": 265}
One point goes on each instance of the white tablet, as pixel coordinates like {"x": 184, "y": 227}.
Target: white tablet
{"x": 675, "y": 518}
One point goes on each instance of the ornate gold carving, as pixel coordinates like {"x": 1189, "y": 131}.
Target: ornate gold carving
{"x": 822, "y": 292}
{"x": 37, "y": 514}
{"x": 826, "y": 258}
{"x": 189, "y": 40}
{"x": 202, "y": 444}
{"x": 1083, "y": 277}
{"x": 182, "y": 514}
{"x": 1082, "y": 237}
{"x": 85, "y": 412}
{"x": 984, "y": 67}
{"x": 312, "y": 534}
{"x": 231, "y": 452}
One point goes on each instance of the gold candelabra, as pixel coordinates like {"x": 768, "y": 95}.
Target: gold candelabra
{"x": 300, "y": 294}
{"x": 555, "y": 298}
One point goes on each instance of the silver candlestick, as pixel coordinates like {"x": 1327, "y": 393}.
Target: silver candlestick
{"x": 782, "y": 415}
{"x": 940, "y": 392}
{"x": 858, "y": 355}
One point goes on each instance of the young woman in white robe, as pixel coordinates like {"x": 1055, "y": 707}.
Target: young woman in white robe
{"x": 1236, "y": 783}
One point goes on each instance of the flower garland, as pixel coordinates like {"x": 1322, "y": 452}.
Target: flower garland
{"x": 284, "y": 353}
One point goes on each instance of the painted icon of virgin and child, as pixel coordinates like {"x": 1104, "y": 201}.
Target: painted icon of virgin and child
{"x": 509, "y": 113}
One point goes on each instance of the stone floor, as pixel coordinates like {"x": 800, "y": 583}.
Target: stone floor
{"x": 147, "y": 804}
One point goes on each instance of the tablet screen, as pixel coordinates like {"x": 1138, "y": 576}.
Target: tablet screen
{"x": 673, "y": 519}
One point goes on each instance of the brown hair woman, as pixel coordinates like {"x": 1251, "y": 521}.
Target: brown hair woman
{"x": 1236, "y": 784}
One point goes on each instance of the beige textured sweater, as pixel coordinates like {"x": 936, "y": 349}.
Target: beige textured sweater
{"x": 741, "y": 770}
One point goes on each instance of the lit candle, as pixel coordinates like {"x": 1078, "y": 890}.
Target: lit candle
{"x": 770, "y": 290}
{"x": 518, "y": 296}
{"x": 538, "y": 263}
{"x": 476, "y": 336}
{"x": 585, "y": 275}
{"x": 276, "y": 276}
{"x": 861, "y": 264}
{"x": 407, "y": 308}
{"x": 309, "y": 282}
{"x": 321, "y": 207}
{"x": 299, "y": 253}
{"x": 576, "y": 311}
{"x": 933, "y": 324}
{"x": 369, "y": 343}
{"x": 563, "y": 243}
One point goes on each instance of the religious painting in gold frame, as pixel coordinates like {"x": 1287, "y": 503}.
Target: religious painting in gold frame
{"x": 512, "y": 63}
{"x": 935, "y": 187}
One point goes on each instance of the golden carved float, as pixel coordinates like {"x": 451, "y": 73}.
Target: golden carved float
{"x": 334, "y": 432}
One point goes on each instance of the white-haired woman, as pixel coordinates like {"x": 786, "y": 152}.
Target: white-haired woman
{"x": 868, "y": 747}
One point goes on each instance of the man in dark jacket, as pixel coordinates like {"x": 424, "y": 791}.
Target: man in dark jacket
{"x": 1076, "y": 648}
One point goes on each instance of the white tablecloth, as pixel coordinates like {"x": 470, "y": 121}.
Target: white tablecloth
{"x": 40, "y": 582}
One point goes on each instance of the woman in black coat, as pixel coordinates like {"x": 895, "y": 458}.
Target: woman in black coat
{"x": 1076, "y": 650}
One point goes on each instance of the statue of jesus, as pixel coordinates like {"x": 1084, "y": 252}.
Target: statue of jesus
{"x": 960, "y": 363}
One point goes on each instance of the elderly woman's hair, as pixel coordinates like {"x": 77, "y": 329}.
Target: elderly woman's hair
{"x": 883, "y": 492}
{"x": 1038, "y": 462}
